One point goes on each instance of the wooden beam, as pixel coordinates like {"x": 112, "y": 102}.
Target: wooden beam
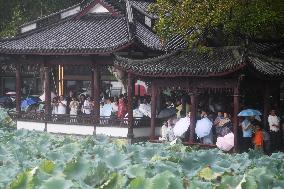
{"x": 18, "y": 88}
{"x": 153, "y": 109}
{"x": 130, "y": 90}
{"x": 236, "y": 99}
{"x": 96, "y": 92}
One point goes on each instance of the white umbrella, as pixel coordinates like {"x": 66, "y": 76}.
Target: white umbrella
{"x": 42, "y": 97}
{"x": 106, "y": 110}
{"x": 181, "y": 126}
{"x": 145, "y": 109}
{"x": 11, "y": 93}
{"x": 225, "y": 143}
{"x": 203, "y": 127}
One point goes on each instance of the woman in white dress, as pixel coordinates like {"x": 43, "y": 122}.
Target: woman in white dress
{"x": 87, "y": 106}
{"x": 74, "y": 106}
{"x": 62, "y": 103}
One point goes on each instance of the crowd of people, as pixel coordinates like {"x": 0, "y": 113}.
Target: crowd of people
{"x": 213, "y": 126}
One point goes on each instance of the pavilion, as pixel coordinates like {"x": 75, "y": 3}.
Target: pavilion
{"x": 82, "y": 41}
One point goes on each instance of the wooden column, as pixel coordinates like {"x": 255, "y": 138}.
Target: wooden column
{"x": 92, "y": 84}
{"x": 266, "y": 104}
{"x": 236, "y": 99}
{"x": 18, "y": 88}
{"x": 130, "y": 91}
{"x": 193, "y": 110}
{"x": 153, "y": 109}
{"x": 47, "y": 91}
{"x": 96, "y": 93}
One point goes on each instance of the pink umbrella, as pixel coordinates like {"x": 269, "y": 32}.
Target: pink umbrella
{"x": 225, "y": 143}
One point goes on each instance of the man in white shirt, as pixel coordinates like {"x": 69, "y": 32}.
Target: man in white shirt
{"x": 62, "y": 103}
{"x": 274, "y": 126}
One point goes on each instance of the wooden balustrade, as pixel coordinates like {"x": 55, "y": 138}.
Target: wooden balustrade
{"x": 81, "y": 119}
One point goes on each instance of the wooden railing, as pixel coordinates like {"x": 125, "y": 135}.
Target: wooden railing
{"x": 82, "y": 119}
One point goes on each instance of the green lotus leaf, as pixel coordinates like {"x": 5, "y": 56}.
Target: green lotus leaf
{"x": 197, "y": 184}
{"x": 56, "y": 183}
{"x": 97, "y": 175}
{"x": 207, "y": 174}
{"x": 140, "y": 183}
{"x": 77, "y": 168}
{"x": 175, "y": 183}
{"x": 47, "y": 166}
{"x": 116, "y": 181}
{"x": 24, "y": 180}
{"x": 162, "y": 180}
{"x": 116, "y": 160}
{"x": 134, "y": 171}
{"x": 249, "y": 183}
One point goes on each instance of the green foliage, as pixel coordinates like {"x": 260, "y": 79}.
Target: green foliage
{"x": 220, "y": 22}
{"x": 42, "y": 160}
{"x": 14, "y": 13}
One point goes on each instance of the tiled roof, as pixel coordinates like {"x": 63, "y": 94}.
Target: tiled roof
{"x": 86, "y": 36}
{"x": 143, "y": 7}
{"x": 266, "y": 66}
{"x": 147, "y": 37}
{"x": 185, "y": 63}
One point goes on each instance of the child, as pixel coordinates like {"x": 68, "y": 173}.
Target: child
{"x": 258, "y": 138}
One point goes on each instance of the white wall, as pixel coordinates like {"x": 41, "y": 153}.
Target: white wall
{"x": 30, "y": 125}
{"x": 145, "y": 131}
{"x": 70, "y": 129}
{"x": 112, "y": 131}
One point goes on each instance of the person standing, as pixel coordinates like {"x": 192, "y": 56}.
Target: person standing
{"x": 122, "y": 110}
{"x": 247, "y": 133}
{"x": 274, "y": 127}
{"x": 74, "y": 106}
{"x": 61, "y": 109}
{"x": 88, "y": 106}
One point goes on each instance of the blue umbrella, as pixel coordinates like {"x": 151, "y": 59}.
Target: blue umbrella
{"x": 27, "y": 102}
{"x": 249, "y": 112}
{"x": 203, "y": 127}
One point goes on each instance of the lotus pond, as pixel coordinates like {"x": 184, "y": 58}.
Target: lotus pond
{"x": 46, "y": 161}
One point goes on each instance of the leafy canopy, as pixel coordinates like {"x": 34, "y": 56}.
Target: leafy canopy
{"x": 219, "y": 22}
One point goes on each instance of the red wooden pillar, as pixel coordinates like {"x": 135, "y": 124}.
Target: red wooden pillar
{"x": 153, "y": 109}
{"x": 130, "y": 91}
{"x": 236, "y": 100}
{"x": 18, "y": 88}
{"x": 47, "y": 91}
{"x": 193, "y": 111}
{"x": 96, "y": 93}
{"x": 266, "y": 104}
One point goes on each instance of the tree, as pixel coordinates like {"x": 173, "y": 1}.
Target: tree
{"x": 200, "y": 22}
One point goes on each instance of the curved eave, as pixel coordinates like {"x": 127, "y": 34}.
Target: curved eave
{"x": 172, "y": 75}
{"x": 70, "y": 51}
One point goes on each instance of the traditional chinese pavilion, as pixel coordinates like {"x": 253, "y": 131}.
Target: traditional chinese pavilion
{"x": 79, "y": 43}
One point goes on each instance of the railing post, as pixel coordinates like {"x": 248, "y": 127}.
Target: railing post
{"x": 18, "y": 88}
{"x": 130, "y": 91}
{"x": 153, "y": 109}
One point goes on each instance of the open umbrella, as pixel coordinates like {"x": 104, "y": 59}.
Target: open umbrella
{"x": 11, "y": 93}
{"x": 145, "y": 109}
{"x": 249, "y": 112}
{"x": 225, "y": 143}
{"x": 52, "y": 95}
{"x": 203, "y": 127}
{"x": 181, "y": 126}
{"x": 27, "y": 102}
{"x": 167, "y": 113}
